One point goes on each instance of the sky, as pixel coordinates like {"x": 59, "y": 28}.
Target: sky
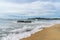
{"x": 16, "y": 9}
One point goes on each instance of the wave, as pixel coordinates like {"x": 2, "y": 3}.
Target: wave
{"x": 17, "y": 31}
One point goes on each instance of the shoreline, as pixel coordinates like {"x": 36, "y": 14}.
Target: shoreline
{"x": 25, "y": 35}
{"x": 45, "y": 34}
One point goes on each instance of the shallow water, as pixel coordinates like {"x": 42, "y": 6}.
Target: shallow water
{"x": 9, "y": 28}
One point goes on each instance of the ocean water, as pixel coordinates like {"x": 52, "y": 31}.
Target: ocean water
{"x": 11, "y": 30}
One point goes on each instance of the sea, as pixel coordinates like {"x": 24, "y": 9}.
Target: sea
{"x": 12, "y": 30}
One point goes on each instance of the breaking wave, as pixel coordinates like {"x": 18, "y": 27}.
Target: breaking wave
{"x": 10, "y": 30}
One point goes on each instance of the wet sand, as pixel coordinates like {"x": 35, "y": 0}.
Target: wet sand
{"x": 51, "y": 33}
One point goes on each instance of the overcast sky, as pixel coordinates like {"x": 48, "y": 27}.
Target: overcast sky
{"x": 29, "y": 8}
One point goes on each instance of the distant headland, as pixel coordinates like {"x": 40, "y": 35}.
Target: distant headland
{"x": 44, "y": 18}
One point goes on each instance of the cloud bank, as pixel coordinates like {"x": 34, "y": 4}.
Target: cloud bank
{"x": 37, "y": 8}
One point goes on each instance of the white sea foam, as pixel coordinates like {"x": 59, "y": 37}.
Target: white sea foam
{"x": 23, "y": 34}
{"x": 27, "y": 30}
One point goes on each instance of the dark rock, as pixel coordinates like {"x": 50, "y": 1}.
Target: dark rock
{"x": 19, "y": 21}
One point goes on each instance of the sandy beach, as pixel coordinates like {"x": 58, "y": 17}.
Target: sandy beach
{"x": 50, "y": 33}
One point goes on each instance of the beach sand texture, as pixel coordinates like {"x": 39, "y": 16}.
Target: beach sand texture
{"x": 51, "y": 33}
